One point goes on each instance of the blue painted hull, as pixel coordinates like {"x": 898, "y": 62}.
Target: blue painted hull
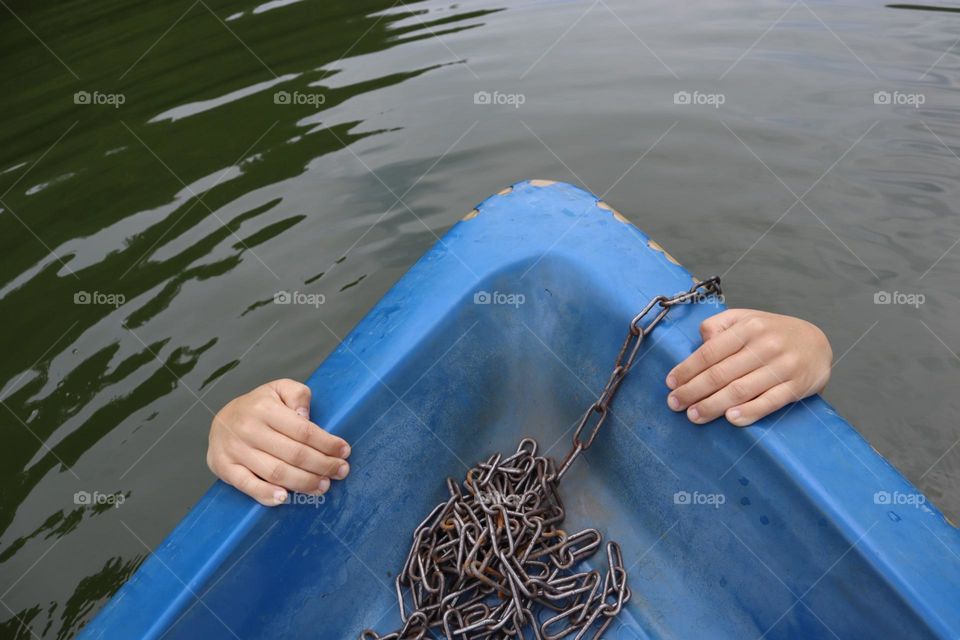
{"x": 815, "y": 536}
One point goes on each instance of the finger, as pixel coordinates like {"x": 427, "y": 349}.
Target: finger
{"x": 302, "y": 430}
{"x": 295, "y": 395}
{"x": 267, "y": 494}
{"x": 713, "y": 380}
{"x": 280, "y": 473}
{"x": 737, "y": 392}
{"x": 719, "y": 323}
{"x": 774, "y": 399}
{"x": 298, "y": 454}
{"x": 710, "y": 353}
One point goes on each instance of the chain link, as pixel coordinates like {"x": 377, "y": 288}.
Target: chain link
{"x": 597, "y": 412}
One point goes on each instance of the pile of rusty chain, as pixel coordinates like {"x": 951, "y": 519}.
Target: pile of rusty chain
{"x": 493, "y": 562}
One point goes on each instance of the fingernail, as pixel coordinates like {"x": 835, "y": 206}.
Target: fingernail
{"x": 693, "y": 414}
{"x": 324, "y": 485}
{"x": 303, "y": 412}
{"x": 345, "y": 451}
{"x": 672, "y": 381}
{"x": 280, "y": 496}
{"x": 673, "y": 403}
{"x": 733, "y": 415}
{"x": 343, "y": 471}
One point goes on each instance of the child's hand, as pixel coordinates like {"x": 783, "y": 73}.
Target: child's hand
{"x": 263, "y": 443}
{"x": 751, "y": 363}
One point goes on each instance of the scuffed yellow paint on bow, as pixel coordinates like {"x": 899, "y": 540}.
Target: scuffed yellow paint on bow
{"x": 616, "y": 214}
{"x": 656, "y": 247}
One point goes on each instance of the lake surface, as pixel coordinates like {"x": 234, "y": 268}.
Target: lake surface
{"x": 167, "y": 168}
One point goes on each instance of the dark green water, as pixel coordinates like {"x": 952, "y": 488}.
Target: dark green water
{"x": 143, "y": 242}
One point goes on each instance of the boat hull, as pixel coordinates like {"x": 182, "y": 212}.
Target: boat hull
{"x": 507, "y": 328}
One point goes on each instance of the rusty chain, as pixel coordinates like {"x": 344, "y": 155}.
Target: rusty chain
{"x": 636, "y": 333}
{"x": 493, "y": 562}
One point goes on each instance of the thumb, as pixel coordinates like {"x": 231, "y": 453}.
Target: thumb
{"x": 719, "y": 323}
{"x": 295, "y": 395}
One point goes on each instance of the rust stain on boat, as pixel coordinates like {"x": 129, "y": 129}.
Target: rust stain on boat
{"x": 504, "y": 192}
{"x": 542, "y": 183}
{"x": 656, "y": 247}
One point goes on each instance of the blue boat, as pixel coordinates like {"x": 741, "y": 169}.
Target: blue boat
{"x": 507, "y": 327}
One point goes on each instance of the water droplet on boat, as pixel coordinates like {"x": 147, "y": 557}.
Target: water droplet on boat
{"x": 745, "y": 501}
{"x": 764, "y": 520}
{"x": 744, "y": 481}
